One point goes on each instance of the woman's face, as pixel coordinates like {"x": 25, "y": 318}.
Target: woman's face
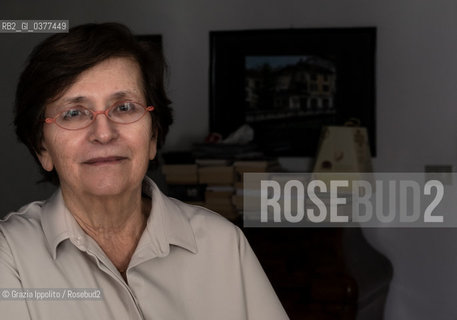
{"x": 106, "y": 158}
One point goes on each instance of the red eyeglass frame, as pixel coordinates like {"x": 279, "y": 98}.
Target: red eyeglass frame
{"x": 147, "y": 109}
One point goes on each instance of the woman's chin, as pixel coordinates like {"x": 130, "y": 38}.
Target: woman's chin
{"x": 106, "y": 187}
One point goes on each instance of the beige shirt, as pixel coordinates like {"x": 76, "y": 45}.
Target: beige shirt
{"x": 190, "y": 263}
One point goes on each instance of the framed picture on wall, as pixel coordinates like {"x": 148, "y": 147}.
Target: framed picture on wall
{"x": 288, "y": 83}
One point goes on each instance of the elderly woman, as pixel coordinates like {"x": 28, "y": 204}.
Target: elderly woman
{"x": 92, "y": 109}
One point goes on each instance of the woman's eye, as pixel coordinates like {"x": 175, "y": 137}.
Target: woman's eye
{"x": 72, "y": 114}
{"x": 125, "y": 107}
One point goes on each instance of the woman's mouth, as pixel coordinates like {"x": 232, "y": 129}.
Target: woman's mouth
{"x": 104, "y": 160}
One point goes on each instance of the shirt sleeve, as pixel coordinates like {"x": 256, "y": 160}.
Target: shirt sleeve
{"x": 9, "y": 279}
{"x": 261, "y": 300}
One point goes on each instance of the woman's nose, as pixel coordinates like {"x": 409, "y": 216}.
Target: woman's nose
{"x": 103, "y": 130}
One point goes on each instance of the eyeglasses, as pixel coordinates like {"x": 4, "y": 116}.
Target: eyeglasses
{"x": 79, "y": 117}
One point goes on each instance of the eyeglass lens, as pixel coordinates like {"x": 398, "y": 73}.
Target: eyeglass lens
{"x": 79, "y": 117}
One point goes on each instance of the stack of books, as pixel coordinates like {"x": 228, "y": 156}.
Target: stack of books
{"x": 248, "y": 166}
{"x": 182, "y": 183}
{"x": 216, "y": 184}
{"x": 180, "y": 173}
{"x": 219, "y": 176}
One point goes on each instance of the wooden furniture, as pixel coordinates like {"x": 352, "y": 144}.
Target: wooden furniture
{"x": 323, "y": 273}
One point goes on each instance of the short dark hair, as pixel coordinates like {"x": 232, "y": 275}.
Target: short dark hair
{"x": 54, "y": 65}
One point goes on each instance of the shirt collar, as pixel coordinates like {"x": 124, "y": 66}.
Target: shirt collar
{"x": 167, "y": 225}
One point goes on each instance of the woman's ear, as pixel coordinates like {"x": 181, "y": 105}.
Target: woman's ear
{"x": 45, "y": 158}
{"x": 153, "y": 145}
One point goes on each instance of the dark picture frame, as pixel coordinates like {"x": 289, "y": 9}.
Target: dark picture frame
{"x": 351, "y": 53}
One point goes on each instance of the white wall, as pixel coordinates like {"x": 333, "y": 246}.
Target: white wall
{"x": 416, "y": 78}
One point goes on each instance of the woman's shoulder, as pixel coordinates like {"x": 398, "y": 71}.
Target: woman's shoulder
{"x": 27, "y": 217}
{"x": 205, "y": 221}
{"x": 21, "y": 231}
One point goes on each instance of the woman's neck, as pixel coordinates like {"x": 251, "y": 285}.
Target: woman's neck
{"x": 116, "y": 224}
